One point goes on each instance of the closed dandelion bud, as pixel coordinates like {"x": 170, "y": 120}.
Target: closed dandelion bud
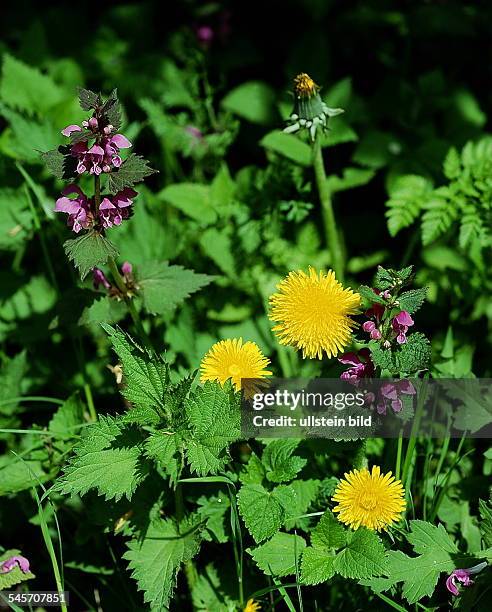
{"x": 310, "y": 112}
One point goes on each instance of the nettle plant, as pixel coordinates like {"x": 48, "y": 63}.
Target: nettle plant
{"x": 171, "y": 475}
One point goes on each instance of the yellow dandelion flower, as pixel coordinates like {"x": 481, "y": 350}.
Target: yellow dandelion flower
{"x": 371, "y": 500}
{"x": 252, "y": 606}
{"x": 231, "y": 359}
{"x": 304, "y": 85}
{"x": 312, "y": 311}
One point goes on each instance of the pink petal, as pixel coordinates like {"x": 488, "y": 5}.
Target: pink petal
{"x": 120, "y": 141}
{"x": 349, "y": 359}
{"x": 67, "y": 205}
{"x": 106, "y": 204}
{"x": 71, "y": 128}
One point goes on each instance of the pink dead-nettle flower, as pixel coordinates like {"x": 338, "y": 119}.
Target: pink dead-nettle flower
{"x": 462, "y": 576}
{"x": 99, "y": 278}
{"x": 372, "y": 330}
{"x": 12, "y": 562}
{"x": 81, "y": 212}
{"x": 113, "y": 211}
{"x": 390, "y": 395}
{"x": 400, "y": 325}
{"x": 361, "y": 366}
{"x": 78, "y": 209}
{"x": 102, "y": 157}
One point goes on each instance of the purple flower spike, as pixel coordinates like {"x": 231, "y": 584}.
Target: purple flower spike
{"x": 16, "y": 561}
{"x": 99, "y": 278}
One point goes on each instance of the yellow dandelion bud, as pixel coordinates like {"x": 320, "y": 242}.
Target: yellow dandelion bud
{"x": 369, "y": 499}
{"x": 312, "y": 313}
{"x": 304, "y": 86}
{"x": 231, "y": 359}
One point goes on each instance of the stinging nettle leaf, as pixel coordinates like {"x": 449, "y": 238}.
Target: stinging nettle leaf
{"x": 60, "y": 162}
{"x": 412, "y": 300}
{"x": 155, "y": 561}
{"x": 262, "y": 513}
{"x": 280, "y": 556}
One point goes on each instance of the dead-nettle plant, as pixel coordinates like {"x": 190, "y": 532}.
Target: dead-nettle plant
{"x": 95, "y": 155}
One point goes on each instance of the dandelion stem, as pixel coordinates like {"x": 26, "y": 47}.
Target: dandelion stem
{"x": 331, "y": 231}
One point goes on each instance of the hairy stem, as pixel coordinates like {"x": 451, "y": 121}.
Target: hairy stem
{"x": 331, "y": 232}
{"x": 120, "y": 283}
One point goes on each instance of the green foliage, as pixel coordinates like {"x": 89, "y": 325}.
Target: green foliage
{"x": 88, "y": 251}
{"x": 162, "y": 287}
{"x": 156, "y": 560}
{"x": 280, "y": 556}
{"x": 412, "y": 300}
{"x": 132, "y": 171}
{"x": 415, "y": 354}
{"x": 280, "y": 464}
{"x": 262, "y": 512}
{"x": 253, "y": 101}
{"x": 436, "y": 552}
{"x": 213, "y": 416}
{"x": 106, "y": 459}
{"x": 352, "y": 554}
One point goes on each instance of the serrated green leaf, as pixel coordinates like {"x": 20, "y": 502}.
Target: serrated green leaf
{"x": 280, "y": 556}
{"x": 162, "y": 287}
{"x": 104, "y": 460}
{"x": 88, "y": 99}
{"x": 213, "y": 417}
{"x": 88, "y": 251}
{"x": 132, "y": 171}
{"x": 317, "y": 566}
{"x": 381, "y": 357}
{"x": 363, "y": 557}
{"x": 329, "y": 533}
{"x": 262, "y": 513}
{"x": 155, "y": 561}
{"x": 412, "y": 300}
{"x": 146, "y": 377}
{"x": 415, "y": 354}
{"x": 280, "y": 464}
{"x": 60, "y": 162}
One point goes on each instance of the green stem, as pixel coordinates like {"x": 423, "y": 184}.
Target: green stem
{"x": 189, "y": 566}
{"x": 398, "y": 455}
{"x": 97, "y": 193}
{"x": 90, "y": 401}
{"x": 360, "y": 460}
{"x": 412, "y": 442}
{"x": 331, "y": 232}
{"x": 120, "y": 283}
